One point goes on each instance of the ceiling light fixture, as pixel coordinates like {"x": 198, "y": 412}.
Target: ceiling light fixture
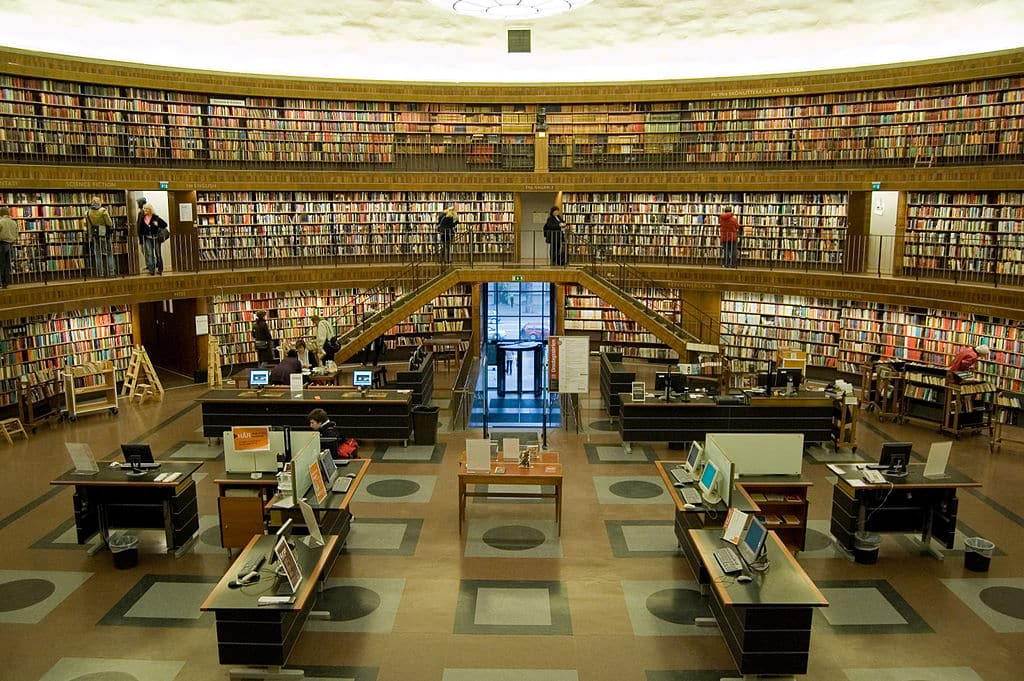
{"x": 509, "y": 9}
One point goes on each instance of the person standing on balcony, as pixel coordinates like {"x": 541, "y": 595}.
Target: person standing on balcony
{"x": 446, "y": 225}
{"x": 149, "y": 228}
{"x": 262, "y": 339}
{"x": 729, "y": 234}
{"x": 554, "y": 234}
{"x": 8, "y": 239}
{"x": 99, "y": 226}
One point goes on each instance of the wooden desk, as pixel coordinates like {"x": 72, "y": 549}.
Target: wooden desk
{"x": 330, "y": 377}
{"x": 546, "y": 470}
{"x": 251, "y": 634}
{"x": 241, "y": 517}
{"x": 332, "y": 513}
{"x": 656, "y": 420}
{"x": 112, "y": 498}
{"x": 378, "y": 415}
{"x": 766, "y": 623}
{"x": 913, "y": 503}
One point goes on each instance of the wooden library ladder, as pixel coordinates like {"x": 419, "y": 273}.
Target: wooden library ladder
{"x": 140, "y": 379}
{"x": 214, "y": 377}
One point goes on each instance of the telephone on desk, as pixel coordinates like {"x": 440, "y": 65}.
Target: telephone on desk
{"x": 873, "y": 476}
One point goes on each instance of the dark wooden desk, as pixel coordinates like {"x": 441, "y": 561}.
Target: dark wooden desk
{"x": 378, "y": 415}
{"x": 112, "y": 498}
{"x": 767, "y": 622}
{"x": 264, "y": 635}
{"x": 910, "y": 504}
{"x": 332, "y": 513}
{"x": 656, "y": 420}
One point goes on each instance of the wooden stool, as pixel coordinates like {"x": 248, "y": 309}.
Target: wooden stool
{"x": 9, "y": 427}
{"x": 142, "y": 391}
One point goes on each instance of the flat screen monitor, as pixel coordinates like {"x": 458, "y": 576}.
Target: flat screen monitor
{"x": 694, "y": 457}
{"x": 676, "y": 381}
{"x": 753, "y": 540}
{"x": 708, "y": 478}
{"x": 362, "y": 379}
{"x": 784, "y": 376}
{"x": 137, "y": 452}
{"x": 895, "y": 456}
{"x": 328, "y": 469}
{"x": 316, "y": 537}
{"x": 259, "y": 378}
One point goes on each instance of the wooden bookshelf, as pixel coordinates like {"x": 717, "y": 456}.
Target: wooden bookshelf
{"x": 296, "y": 227}
{"x": 37, "y": 348}
{"x": 587, "y": 314}
{"x": 964, "y": 234}
{"x": 52, "y": 242}
{"x": 755, "y": 325}
{"x": 804, "y": 230}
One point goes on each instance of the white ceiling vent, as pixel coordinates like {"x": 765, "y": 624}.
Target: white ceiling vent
{"x": 518, "y": 40}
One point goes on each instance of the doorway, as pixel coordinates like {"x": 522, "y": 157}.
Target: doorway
{"x": 168, "y": 332}
{"x": 518, "y": 317}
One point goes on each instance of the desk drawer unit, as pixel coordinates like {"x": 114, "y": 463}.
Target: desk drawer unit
{"x": 765, "y": 640}
{"x": 263, "y": 637}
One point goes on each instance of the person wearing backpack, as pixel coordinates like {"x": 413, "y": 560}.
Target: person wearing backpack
{"x": 99, "y": 227}
{"x": 446, "y": 225}
{"x": 326, "y": 341}
{"x": 262, "y": 339}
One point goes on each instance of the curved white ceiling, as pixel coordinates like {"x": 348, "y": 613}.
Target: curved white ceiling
{"x": 607, "y": 40}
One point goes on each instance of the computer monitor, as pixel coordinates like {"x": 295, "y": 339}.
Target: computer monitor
{"x": 362, "y": 378}
{"x": 752, "y": 545}
{"x": 784, "y": 376}
{"x": 136, "y": 452}
{"x": 707, "y": 483}
{"x": 328, "y": 469}
{"x": 259, "y": 378}
{"x": 677, "y": 382}
{"x": 894, "y": 458}
{"x": 316, "y": 537}
{"x": 694, "y": 457}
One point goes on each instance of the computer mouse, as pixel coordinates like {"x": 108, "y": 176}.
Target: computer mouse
{"x": 679, "y": 485}
{"x": 690, "y": 507}
{"x": 350, "y": 475}
{"x": 744, "y": 579}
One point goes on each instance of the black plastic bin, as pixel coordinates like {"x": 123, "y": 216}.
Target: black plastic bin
{"x": 865, "y": 547}
{"x": 424, "y": 425}
{"x": 125, "y": 549}
{"x": 978, "y": 554}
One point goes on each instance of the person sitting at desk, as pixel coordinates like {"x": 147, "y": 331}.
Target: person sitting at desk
{"x": 967, "y": 358}
{"x": 306, "y": 357}
{"x": 282, "y": 372}
{"x": 328, "y": 429}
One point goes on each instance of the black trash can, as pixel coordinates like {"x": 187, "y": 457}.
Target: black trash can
{"x": 978, "y": 554}
{"x": 125, "y": 549}
{"x": 865, "y": 547}
{"x": 424, "y": 425}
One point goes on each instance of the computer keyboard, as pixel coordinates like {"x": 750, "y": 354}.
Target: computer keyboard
{"x": 728, "y": 560}
{"x": 691, "y": 496}
{"x": 341, "y": 485}
{"x": 681, "y": 475}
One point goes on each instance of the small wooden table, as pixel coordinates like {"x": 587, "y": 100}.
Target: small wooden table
{"x": 545, "y": 470}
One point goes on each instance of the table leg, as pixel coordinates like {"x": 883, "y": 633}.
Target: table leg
{"x": 558, "y": 507}
{"x": 462, "y": 505}
{"x": 168, "y": 525}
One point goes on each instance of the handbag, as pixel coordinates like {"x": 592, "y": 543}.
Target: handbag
{"x": 163, "y": 234}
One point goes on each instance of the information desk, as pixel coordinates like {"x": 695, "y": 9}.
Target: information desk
{"x": 264, "y": 635}
{"x": 910, "y": 504}
{"x": 545, "y": 469}
{"x": 766, "y": 623}
{"x": 113, "y": 498}
{"x": 332, "y": 513}
{"x": 656, "y": 420}
{"x": 377, "y": 415}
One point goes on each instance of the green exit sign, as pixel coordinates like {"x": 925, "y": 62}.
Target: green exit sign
{"x": 517, "y": 277}
{"x": 163, "y": 185}
{"x": 876, "y": 185}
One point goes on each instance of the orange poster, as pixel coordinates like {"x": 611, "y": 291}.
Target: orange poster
{"x": 251, "y": 438}
{"x": 319, "y": 488}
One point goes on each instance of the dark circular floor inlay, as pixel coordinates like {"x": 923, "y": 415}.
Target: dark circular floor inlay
{"x": 106, "y": 676}
{"x": 346, "y": 603}
{"x": 211, "y": 536}
{"x": 1008, "y": 600}
{"x": 679, "y": 606}
{"x": 815, "y": 541}
{"x": 603, "y": 425}
{"x": 22, "y": 593}
{"x": 513, "y": 537}
{"x": 393, "y": 488}
{"x": 635, "y": 489}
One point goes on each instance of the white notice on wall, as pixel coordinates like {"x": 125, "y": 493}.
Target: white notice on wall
{"x": 573, "y": 363}
{"x": 202, "y": 325}
{"x": 185, "y": 212}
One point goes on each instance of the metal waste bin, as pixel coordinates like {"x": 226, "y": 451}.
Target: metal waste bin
{"x": 424, "y": 425}
{"x": 978, "y": 554}
{"x": 125, "y": 549}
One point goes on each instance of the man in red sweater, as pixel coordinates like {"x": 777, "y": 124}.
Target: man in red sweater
{"x": 729, "y": 232}
{"x": 967, "y": 358}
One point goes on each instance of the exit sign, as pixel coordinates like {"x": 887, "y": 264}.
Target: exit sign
{"x": 163, "y": 185}
{"x": 517, "y": 277}
{"x": 876, "y": 185}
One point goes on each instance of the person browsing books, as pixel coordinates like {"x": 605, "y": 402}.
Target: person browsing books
{"x": 8, "y": 238}
{"x": 968, "y": 357}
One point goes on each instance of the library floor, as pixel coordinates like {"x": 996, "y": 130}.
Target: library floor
{"x": 410, "y": 600}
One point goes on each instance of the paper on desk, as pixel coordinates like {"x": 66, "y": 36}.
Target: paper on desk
{"x": 835, "y": 469}
{"x": 735, "y": 523}
{"x": 857, "y": 483}
{"x": 284, "y": 502}
{"x": 478, "y": 454}
{"x": 510, "y": 448}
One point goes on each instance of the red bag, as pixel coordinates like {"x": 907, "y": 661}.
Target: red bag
{"x": 348, "y": 449}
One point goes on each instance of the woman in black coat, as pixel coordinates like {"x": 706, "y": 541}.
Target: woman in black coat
{"x": 262, "y": 339}
{"x": 554, "y": 235}
{"x": 446, "y": 225}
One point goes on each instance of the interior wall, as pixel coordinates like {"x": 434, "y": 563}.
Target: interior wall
{"x": 882, "y": 231}
{"x": 157, "y": 199}
{"x": 533, "y": 214}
